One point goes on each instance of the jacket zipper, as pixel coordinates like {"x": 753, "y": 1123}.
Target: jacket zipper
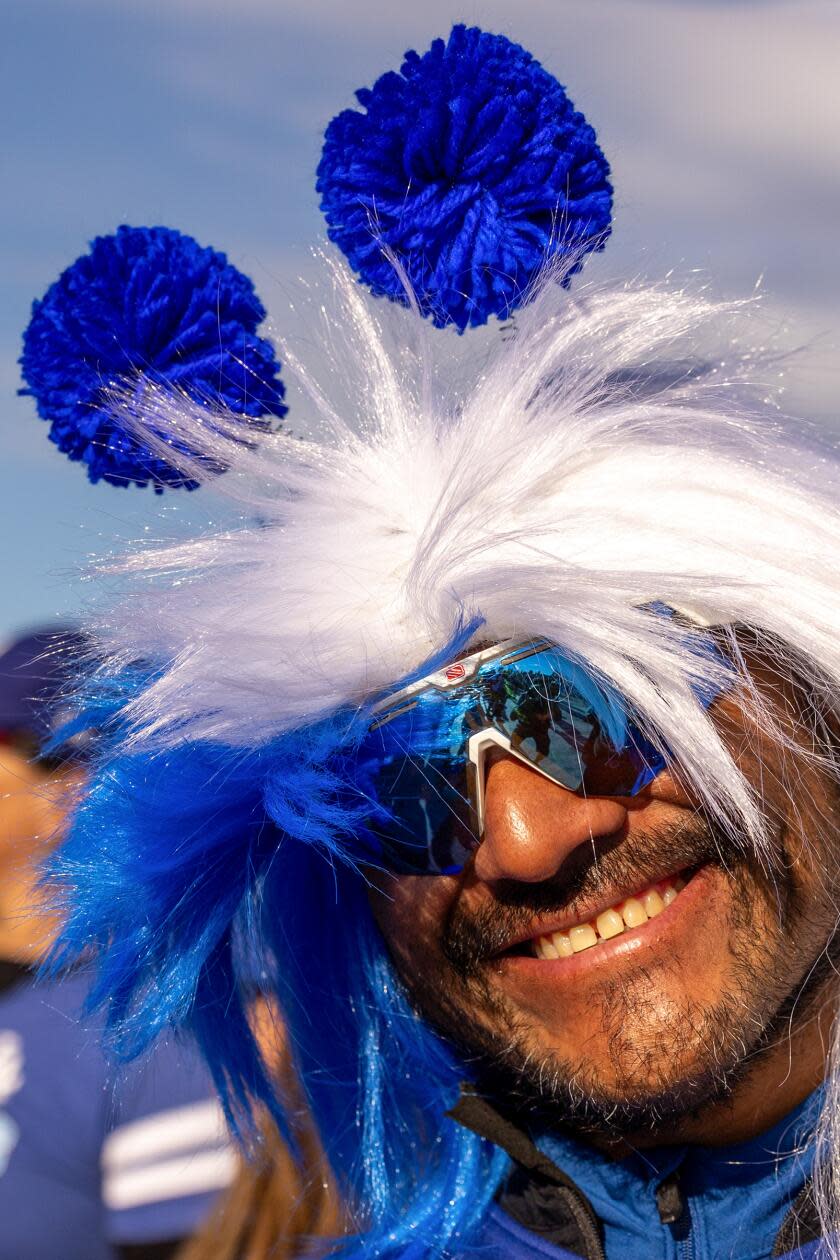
{"x": 685, "y": 1247}
{"x": 674, "y": 1211}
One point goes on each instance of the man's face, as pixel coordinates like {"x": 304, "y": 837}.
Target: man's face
{"x": 33, "y": 805}
{"x": 21, "y": 803}
{"x": 662, "y": 1013}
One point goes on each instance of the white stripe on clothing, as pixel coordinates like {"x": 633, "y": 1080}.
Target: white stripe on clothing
{"x": 199, "y": 1124}
{"x": 176, "y": 1178}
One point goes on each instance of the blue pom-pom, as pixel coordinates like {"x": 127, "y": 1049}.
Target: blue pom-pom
{"x": 147, "y": 301}
{"x": 474, "y": 169}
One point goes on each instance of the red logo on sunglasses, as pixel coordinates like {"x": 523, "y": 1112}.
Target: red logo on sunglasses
{"x": 455, "y": 671}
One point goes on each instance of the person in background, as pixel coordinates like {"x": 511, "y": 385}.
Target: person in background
{"x": 94, "y": 1165}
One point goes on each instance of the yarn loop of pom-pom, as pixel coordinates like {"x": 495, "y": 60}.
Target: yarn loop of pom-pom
{"x": 473, "y": 169}
{"x": 146, "y": 304}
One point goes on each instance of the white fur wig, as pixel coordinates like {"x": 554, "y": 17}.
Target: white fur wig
{"x": 593, "y": 464}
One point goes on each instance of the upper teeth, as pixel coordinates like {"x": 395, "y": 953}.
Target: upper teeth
{"x": 631, "y": 913}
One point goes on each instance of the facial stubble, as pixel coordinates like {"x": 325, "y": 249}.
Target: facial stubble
{"x": 711, "y": 1046}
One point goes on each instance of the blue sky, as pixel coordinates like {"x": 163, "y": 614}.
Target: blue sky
{"x": 720, "y": 121}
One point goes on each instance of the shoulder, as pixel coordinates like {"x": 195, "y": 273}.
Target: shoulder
{"x": 54, "y": 1056}
{"x": 167, "y": 1152}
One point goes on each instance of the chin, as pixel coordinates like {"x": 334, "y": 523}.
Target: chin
{"x": 623, "y": 1097}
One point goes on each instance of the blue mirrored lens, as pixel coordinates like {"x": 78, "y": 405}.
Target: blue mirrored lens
{"x": 414, "y": 768}
{"x": 421, "y": 819}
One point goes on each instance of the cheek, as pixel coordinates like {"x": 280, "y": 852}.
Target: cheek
{"x": 802, "y": 809}
{"x": 411, "y": 911}
{"x": 810, "y": 915}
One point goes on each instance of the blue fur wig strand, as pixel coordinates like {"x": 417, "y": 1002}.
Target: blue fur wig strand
{"x": 254, "y": 862}
{"x": 472, "y": 169}
{"x": 146, "y": 304}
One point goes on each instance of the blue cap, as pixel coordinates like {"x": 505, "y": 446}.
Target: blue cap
{"x": 36, "y": 673}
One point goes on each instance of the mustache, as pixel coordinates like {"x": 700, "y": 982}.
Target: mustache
{"x": 472, "y": 936}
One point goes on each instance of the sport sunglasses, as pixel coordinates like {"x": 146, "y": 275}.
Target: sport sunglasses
{"x": 422, "y": 761}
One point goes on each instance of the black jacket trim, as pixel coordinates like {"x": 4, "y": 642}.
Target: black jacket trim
{"x": 538, "y": 1195}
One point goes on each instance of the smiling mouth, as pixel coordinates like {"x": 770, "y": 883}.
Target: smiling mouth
{"x": 626, "y": 915}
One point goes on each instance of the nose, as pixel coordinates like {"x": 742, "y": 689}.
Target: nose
{"x": 532, "y": 825}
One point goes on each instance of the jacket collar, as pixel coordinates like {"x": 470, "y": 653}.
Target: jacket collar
{"x": 541, "y": 1196}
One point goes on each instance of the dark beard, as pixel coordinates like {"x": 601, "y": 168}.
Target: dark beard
{"x": 547, "y": 1096}
{"x": 722, "y": 1040}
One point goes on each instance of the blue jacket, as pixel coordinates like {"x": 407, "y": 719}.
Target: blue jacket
{"x": 503, "y": 1238}
{"x": 564, "y": 1201}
